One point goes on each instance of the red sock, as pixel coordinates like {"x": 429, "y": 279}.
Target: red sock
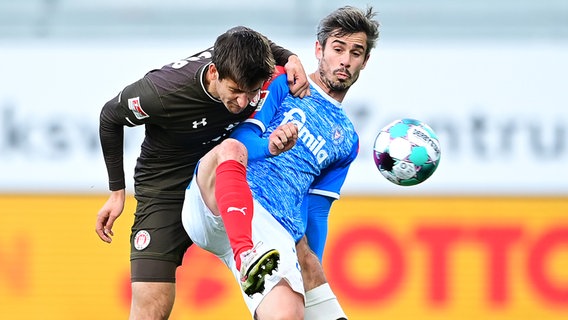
{"x": 234, "y": 200}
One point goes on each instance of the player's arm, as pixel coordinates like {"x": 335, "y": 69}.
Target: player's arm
{"x": 135, "y": 105}
{"x": 323, "y": 191}
{"x": 282, "y": 139}
{"x": 250, "y": 135}
{"x": 316, "y": 212}
{"x": 123, "y": 110}
{"x": 111, "y": 134}
{"x": 280, "y": 54}
{"x": 296, "y": 76}
{"x": 251, "y": 132}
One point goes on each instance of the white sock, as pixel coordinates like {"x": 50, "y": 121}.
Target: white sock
{"x": 321, "y": 304}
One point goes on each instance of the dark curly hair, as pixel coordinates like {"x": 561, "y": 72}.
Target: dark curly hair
{"x": 244, "y": 56}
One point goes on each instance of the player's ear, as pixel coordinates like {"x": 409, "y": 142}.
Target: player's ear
{"x": 212, "y": 73}
{"x": 365, "y": 62}
{"x": 319, "y": 50}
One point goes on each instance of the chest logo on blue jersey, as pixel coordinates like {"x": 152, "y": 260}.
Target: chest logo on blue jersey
{"x": 338, "y": 135}
{"x": 314, "y": 144}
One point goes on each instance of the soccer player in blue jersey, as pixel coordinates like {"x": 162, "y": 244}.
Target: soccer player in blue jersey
{"x": 293, "y": 191}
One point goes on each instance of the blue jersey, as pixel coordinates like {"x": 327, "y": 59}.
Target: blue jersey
{"x": 318, "y": 164}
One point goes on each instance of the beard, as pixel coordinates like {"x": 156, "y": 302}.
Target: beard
{"x": 336, "y": 84}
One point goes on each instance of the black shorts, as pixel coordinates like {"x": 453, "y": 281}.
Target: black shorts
{"x": 158, "y": 240}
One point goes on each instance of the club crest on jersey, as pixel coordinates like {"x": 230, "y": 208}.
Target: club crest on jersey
{"x": 141, "y": 240}
{"x": 136, "y": 108}
{"x": 338, "y": 135}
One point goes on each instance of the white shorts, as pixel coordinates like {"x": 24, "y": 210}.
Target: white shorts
{"x": 208, "y": 232}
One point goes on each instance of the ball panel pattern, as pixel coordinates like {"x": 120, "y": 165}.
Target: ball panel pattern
{"x": 406, "y": 152}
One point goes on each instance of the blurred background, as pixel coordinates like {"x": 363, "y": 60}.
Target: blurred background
{"x": 485, "y": 236}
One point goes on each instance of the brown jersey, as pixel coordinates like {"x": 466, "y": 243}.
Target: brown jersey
{"x": 182, "y": 123}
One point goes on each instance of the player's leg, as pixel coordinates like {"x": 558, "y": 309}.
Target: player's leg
{"x": 207, "y": 231}
{"x": 312, "y": 271}
{"x": 158, "y": 244}
{"x": 281, "y": 303}
{"x": 221, "y": 177}
{"x": 152, "y": 300}
{"x": 321, "y": 302}
{"x": 282, "y": 296}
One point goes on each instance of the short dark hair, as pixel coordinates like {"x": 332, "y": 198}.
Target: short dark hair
{"x": 349, "y": 20}
{"x": 244, "y": 56}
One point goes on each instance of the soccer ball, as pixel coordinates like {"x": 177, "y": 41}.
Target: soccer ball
{"x": 407, "y": 152}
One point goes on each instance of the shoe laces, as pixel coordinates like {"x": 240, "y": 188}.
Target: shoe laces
{"x": 251, "y": 251}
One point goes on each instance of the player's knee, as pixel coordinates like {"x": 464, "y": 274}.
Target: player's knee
{"x": 284, "y": 313}
{"x": 281, "y": 303}
{"x": 231, "y": 149}
{"x": 290, "y": 314}
{"x": 152, "y": 300}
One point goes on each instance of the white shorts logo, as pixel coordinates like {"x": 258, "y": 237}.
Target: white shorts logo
{"x": 141, "y": 240}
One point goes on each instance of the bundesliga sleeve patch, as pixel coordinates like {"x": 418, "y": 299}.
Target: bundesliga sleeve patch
{"x": 260, "y": 101}
{"x": 136, "y": 108}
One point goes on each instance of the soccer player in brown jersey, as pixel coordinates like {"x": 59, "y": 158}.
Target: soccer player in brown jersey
{"x": 187, "y": 108}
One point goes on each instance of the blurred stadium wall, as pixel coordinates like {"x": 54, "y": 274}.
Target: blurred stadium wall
{"x": 485, "y": 237}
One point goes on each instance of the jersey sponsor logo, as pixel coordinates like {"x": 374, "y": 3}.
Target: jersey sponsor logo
{"x": 314, "y": 144}
{"x": 136, "y": 108}
{"x": 141, "y": 240}
{"x": 202, "y": 122}
{"x": 241, "y": 210}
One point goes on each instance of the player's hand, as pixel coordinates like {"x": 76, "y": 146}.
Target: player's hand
{"x": 297, "y": 78}
{"x": 110, "y": 211}
{"x": 282, "y": 138}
